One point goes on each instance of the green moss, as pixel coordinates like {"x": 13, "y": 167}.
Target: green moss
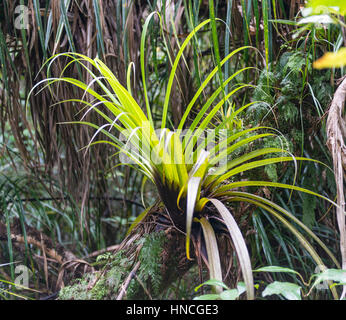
{"x": 106, "y": 285}
{"x": 150, "y": 268}
{"x": 100, "y": 290}
{"x": 118, "y": 268}
{"x": 78, "y": 290}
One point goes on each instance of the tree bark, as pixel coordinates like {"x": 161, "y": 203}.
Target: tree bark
{"x": 336, "y": 133}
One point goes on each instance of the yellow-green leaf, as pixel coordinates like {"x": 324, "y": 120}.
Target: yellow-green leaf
{"x": 331, "y": 60}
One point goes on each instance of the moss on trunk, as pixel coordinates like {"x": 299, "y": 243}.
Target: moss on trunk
{"x": 143, "y": 267}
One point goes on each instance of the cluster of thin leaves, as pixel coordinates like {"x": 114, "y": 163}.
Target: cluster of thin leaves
{"x": 186, "y": 187}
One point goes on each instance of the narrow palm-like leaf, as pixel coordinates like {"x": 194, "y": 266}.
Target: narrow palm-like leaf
{"x": 290, "y": 216}
{"x": 143, "y": 55}
{"x": 173, "y": 72}
{"x": 192, "y": 195}
{"x": 304, "y": 242}
{"x": 212, "y": 251}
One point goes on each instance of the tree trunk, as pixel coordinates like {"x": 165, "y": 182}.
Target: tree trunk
{"x": 143, "y": 266}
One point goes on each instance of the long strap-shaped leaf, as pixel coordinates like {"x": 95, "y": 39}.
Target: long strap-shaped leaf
{"x": 287, "y": 214}
{"x": 294, "y": 230}
{"x": 256, "y": 164}
{"x": 240, "y": 246}
{"x": 212, "y": 251}
{"x": 223, "y": 190}
{"x": 192, "y": 195}
{"x": 143, "y": 39}
{"x": 175, "y": 65}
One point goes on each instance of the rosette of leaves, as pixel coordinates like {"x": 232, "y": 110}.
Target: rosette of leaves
{"x": 195, "y": 182}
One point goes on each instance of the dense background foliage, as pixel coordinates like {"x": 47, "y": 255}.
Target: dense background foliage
{"x": 83, "y": 200}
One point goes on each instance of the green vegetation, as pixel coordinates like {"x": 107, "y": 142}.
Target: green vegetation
{"x": 172, "y": 150}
